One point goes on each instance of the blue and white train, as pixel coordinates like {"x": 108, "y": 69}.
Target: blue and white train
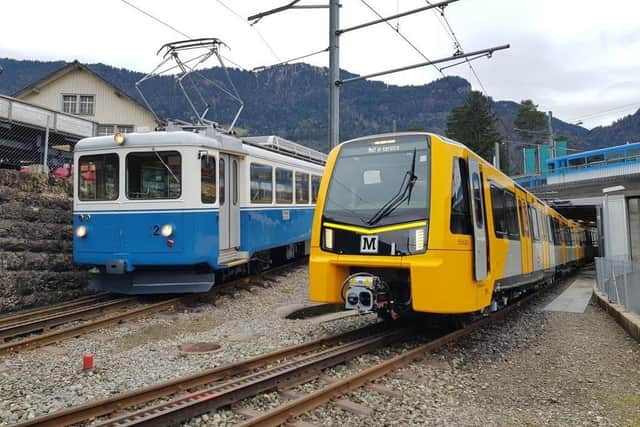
{"x": 172, "y": 212}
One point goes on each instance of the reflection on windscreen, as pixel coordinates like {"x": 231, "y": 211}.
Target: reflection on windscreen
{"x": 154, "y": 175}
{"x": 98, "y": 177}
{"x": 367, "y": 176}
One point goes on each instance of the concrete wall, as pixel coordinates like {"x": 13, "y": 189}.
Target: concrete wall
{"x": 36, "y": 242}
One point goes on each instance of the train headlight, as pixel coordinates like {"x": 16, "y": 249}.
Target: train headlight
{"x": 119, "y": 138}
{"x": 328, "y": 238}
{"x": 167, "y": 230}
{"x": 81, "y": 231}
{"x": 419, "y": 237}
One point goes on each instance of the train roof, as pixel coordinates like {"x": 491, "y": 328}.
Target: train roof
{"x": 208, "y": 138}
{"x": 161, "y": 139}
{"x": 613, "y": 149}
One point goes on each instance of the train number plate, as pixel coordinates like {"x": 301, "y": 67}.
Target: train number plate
{"x": 368, "y": 244}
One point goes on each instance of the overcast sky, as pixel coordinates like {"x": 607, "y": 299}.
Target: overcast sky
{"x": 578, "y": 58}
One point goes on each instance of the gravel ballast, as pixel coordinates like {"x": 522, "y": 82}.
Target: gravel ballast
{"x": 535, "y": 368}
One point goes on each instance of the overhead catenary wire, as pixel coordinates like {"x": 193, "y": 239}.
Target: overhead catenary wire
{"x": 266, "y": 43}
{"x": 297, "y": 58}
{"x": 605, "y": 112}
{"x": 399, "y": 33}
{"x": 176, "y": 30}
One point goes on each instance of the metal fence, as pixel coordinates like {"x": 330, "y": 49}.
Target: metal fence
{"x": 37, "y": 139}
{"x": 33, "y": 149}
{"x": 619, "y": 279}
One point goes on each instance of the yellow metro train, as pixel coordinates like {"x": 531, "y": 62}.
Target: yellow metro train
{"x": 416, "y": 222}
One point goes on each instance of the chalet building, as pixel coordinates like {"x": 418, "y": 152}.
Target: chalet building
{"x": 76, "y": 89}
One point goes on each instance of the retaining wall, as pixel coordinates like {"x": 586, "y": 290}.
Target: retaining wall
{"x": 36, "y": 241}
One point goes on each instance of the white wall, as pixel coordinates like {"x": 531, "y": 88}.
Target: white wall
{"x": 110, "y": 108}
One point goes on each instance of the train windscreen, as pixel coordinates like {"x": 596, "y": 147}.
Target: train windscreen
{"x": 380, "y": 181}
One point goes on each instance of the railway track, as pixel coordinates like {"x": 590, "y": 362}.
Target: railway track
{"x": 52, "y": 309}
{"x": 41, "y": 322}
{"x": 304, "y": 404}
{"x": 176, "y": 401}
{"x": 100, "y": 311}
{"x": 61, "y": 333}
{"x": 203, "y": 385}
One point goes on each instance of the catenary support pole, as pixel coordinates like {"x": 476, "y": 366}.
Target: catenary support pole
{"x": 334, "y": 73}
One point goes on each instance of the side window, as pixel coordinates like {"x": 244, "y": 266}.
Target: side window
{"x": 511, "y": 215}
{"x": 460, "y": 212}
{"x": 477, "y": 199}
{"x": 315, "y": 187}
{"x": 261, "y": 183}
{"x": 284, "y": 186}
{"x": 498, "y": 207}
{"x": 208, "y": 179}
{"x": 222, "y": 182}
{"x": 234, "y": 167}
{"x": 533, "y": 216}
{"x": 302, "y": 187}
{"x": 98, "y": 177}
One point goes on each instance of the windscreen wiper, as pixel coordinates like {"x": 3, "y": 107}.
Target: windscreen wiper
{"x": 166, "y": 166}
{"x": 403, "y": 193}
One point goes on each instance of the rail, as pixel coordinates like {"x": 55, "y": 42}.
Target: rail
{"x": 115, "y": 404}
{"x": 284, "y": 413}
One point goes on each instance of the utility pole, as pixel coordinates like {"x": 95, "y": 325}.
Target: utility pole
{"x": 552, "y": 140}
{"x": 496, "y": 155}
{"x": 334, "y": 73}
{"x": 334, "y": 53}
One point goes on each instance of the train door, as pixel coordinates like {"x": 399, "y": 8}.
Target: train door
{"x": 536, "y": 233}
{"x": 525, "y": 235}
{"x": 228, "y": 183}
{"x": 481, "y": 256}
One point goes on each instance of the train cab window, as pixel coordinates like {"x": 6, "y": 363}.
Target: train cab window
{"x": 154, "y": 175}
{"x": 98, "y": 177}
{"x": 302, "y": 188}
{"x": 261, "y": 183}
{"x": 284, "y": 186}
{"x": 315, "y": 187}
{"x": 222, "y": 182}
{"x": 460, "y": 212}
{"x": 551, "y": 166}
{"x": 477, "y": 199}
{"x": 208, "y": 179}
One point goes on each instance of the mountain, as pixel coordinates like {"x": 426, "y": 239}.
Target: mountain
{"x": 291, "y": 101}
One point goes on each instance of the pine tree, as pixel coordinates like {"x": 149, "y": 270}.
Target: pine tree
{"x": 530, "y": 123}
{"x": 474, "y": 125}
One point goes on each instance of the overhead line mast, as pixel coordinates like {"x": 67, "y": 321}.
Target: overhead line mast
{"x": 334, "y": 52}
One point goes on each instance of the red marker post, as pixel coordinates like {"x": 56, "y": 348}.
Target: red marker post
{"x": 87, "y": 361}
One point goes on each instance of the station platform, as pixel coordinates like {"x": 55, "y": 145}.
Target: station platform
{"x": 575, "y": 298}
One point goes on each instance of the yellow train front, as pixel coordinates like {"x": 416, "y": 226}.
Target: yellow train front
{"x": 415, "y": 222}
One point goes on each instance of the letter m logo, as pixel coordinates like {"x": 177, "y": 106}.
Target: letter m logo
{"x": 369, "y": 244}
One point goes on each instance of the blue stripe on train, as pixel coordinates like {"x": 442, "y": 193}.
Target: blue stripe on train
{"x": 135, "y": 238}
{"x": 262, "y": 229}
